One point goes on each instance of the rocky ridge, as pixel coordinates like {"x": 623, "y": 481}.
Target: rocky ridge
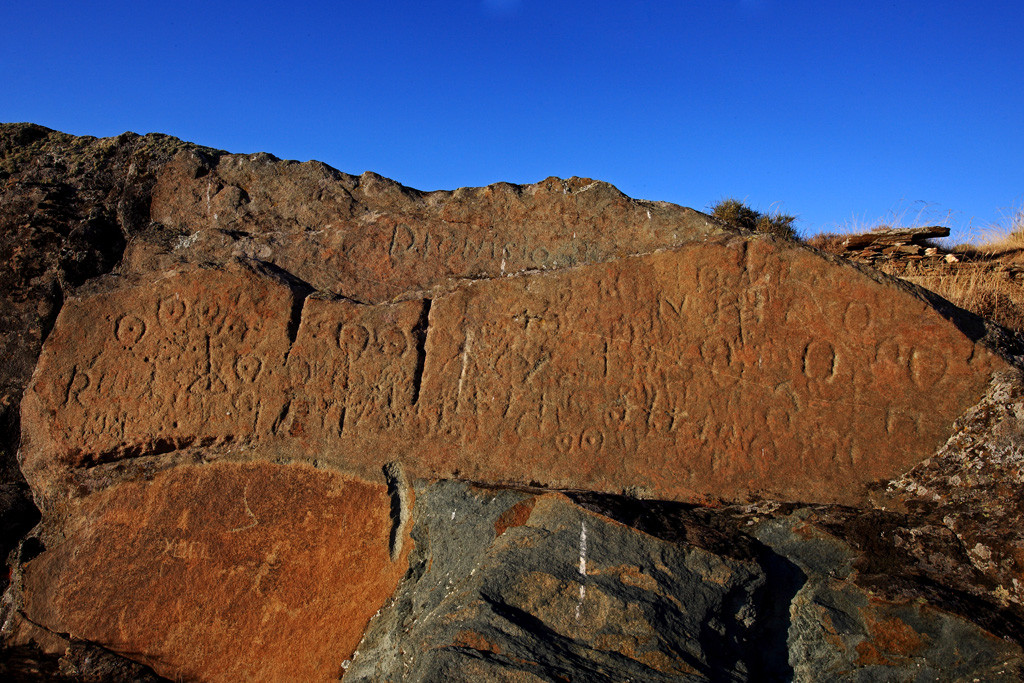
{"x": 541, "y": 432}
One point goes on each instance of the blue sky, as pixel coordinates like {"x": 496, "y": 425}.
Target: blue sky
{"x": 835, "y": 112}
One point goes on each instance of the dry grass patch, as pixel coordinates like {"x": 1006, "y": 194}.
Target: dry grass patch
{"x": 832, "y": 242}
{"x": 734, "y": 212}
{"x": 981, "y": 288}
{"x": 998, "y": 240}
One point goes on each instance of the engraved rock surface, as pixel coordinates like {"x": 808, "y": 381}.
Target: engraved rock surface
{"x": 371, "y": 239}
{"x": 542, "y": 432}
{"x": 675, "y": 359}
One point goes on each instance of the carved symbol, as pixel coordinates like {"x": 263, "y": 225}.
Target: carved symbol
{"x": 248, "y": 367}
{"x": 857, "y": 317}
{"x": 591, "y": 439}
{"x": 539, "y": 256}
{"x": 233, "y": 329}
{"x": 208, "y": 311}
{"x": 353, "y": 338}
{"x": 927, "y": 371}
{"x": 130, "y": 329}
{"x": 614, "y": 415}
{"x": 564, "y": 442}
{"x": 391, "y": 341}
{"x": 171, "y": 311}
{"x": 79, "y": 382}
{"x": 819, "y": 360}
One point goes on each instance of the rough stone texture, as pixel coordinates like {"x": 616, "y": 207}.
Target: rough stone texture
{"x": 673, "y": 358}
{"x": 370, "y": 239}
{"x": 261, "y": 372}
{"x": 80, "y": 662}
{"x": 223, "y": 571}
{"x": 68, "y": 205}
{"x": 606, "y": 588}
{"x": 970, "y": 491}
{"x": 537, "y": 585}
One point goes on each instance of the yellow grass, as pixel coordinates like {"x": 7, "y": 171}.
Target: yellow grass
{"x": 983, "y": 282}
{"x": 997, "y": 240}
{"x": 981, "y": 288}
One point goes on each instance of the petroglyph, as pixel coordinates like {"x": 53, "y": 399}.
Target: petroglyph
{"x": 721, "y": 368}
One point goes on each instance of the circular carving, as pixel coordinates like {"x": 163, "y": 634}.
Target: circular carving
{"x": 171, "y": 310}
{"x": 391, "y": 341}
{"x": 353, "y": 338}
{"x": 563, "y": 442}
{"x": 857, "y": 317}
{"x": 248, "y": 367}
{"x": 129, "y": 329}
{"x": 614, "y": 415}
{"x": 208, "y": 311}
{"x": 819, "y": 360}
{"x": 591, "y": 439}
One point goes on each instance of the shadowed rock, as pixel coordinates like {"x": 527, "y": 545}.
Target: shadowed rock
{"x": 256, "y": 374}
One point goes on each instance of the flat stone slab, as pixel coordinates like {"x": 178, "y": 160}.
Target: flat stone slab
{"x": 726, "y": 369}
{"x": 223, "y": 572}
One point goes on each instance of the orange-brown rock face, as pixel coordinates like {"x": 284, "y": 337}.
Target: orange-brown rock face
{"x": 723, "y": 369}
{"x": 371, "y": 239}
{"x": 224, "y": 571}
{"x": 278, "y": 398}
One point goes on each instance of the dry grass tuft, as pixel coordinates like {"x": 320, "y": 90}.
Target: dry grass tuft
{"x": 977, "y": 287}
{"x": 734, "y": 212}
{"x": 831, "y": 242}
{"x": 998, "y": 240}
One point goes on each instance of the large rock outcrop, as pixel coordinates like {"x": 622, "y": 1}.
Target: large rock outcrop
{"x": 288, "y": 422}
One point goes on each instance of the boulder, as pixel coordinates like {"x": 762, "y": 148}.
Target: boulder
{"x": 223, "y": 571}
{"x": 726, "y": 370}
{"x": 284, "y": 422}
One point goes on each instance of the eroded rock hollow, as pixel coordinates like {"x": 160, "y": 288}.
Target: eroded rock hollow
{"x": 280, "y": 422}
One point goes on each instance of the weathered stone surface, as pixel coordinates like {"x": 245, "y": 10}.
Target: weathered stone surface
{"x": 66, "y": 206}
{"x": 536, "y": 585}
{"x": 723, "y": 370}
{"x": 970, "y": 490}
{"x": 371, "y": 239}
{"x": 80, "y": 662}
{"x": 245, "y": 340}
{"x": 512, "y": 585}
{"x": 895, "y": 236}
{"x": 223, "y": 571}
{"x": 840, "y": 631}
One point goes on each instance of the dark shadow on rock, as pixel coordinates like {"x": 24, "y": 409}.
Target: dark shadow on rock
{"x": 82, "y": 662}
{"x": 886, "y": 567}
{"x": 761, "y": 647}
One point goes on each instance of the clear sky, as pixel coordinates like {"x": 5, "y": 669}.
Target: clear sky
{"x": 835, "y": 112}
